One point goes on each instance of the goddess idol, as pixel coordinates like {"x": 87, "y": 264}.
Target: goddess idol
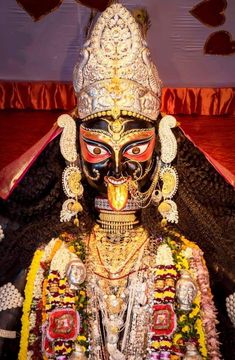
{"x": 123, "y": 284}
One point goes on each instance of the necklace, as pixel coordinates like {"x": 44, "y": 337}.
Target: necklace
{"x": 112, "y": 258}
{"x": 115, "y": 295}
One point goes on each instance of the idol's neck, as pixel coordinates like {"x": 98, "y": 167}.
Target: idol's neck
{"x": 114, "y": 221}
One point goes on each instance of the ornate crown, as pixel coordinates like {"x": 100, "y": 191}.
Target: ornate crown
{"x": 116, "y": 75}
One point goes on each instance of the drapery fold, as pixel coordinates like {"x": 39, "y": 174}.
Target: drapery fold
{"x": 49, "y": 95}
{"x": 12, "y": 174}
{"x": 45, "y": 95}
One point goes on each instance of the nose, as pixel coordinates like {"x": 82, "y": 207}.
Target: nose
{"x": 116, "y": 165}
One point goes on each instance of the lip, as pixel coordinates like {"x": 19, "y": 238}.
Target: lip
{"x": 112, "y": 180}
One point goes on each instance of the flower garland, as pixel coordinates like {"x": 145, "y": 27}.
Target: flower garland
{"x": 35, "y": 314}
{"x": 206, "y": 325}
{"x": 28, "y": 302}
{"x": 49, "y": 300}
{"x": 208, "y": 309}
{"x": 61, "y": 301}
{"x": 164, "y": 319}
{"x": 188, "y": 325}
{"x": 172, "y": 257}
{"x": 63, "y": 305}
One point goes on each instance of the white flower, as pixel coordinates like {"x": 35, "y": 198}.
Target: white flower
{"x": 164, "y": 256}
{"x": 188, "y": 253}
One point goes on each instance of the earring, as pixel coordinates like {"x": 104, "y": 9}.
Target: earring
{"x": 168, "y": 174}
{"x": 71, "y": 177}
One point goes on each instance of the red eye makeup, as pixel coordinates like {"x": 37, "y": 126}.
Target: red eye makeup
{"x": 93, "y": 152}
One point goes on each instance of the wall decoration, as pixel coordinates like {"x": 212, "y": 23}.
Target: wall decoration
{"x": 220, "y": 43}
{"x": 37, "y": 9}
{"x": 210, "y": 12}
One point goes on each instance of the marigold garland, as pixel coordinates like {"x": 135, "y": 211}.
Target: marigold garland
{"x": 27, "y": 303}
{"x": 58, "y": 296}
{"x": 202, "y": 340}
{"x": 190, "y": 325}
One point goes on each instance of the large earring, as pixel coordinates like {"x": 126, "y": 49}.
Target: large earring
{"x": 71, "y": 177}
{"x": 168, "y": 174}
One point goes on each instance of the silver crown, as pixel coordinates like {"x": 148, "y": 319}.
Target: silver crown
{"x": 116, "y": 75}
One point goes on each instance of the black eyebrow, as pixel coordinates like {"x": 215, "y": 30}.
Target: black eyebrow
{"x": 137, "y": 142}
{"x": 94, "y": 142}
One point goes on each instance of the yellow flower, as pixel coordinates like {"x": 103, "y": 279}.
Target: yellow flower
{"x": 82, "y": 293}
{"x": 71, "y": 248}
{"x": 189, "y": 243}
{"x": 175, "y": 357}
{"x": 166, "y": 343}
{"x": 182, "y": 318}
{"x": 194, "y": 312}
{"x": 52, "y": 276}
{"x": 27, "y": 303}
{"x": 186, "y": 329}
{"x": 68, "y": 299}
{"x": 176, "y": 338}
{"x": 81, "y": 338}
{"x": 155, "y": 344}
{"x": 185, "y": 263}
{"x": 63, "y": 348}
{"x": 196, "y": 309}
{"x": 165, "y": 271}
{"x": 158, "y": 295}
{"x": 202, "y": 341}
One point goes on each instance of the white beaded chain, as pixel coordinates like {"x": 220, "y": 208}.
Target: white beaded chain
{"x": 1, "y": 233}
{"x": 230, "y": 305}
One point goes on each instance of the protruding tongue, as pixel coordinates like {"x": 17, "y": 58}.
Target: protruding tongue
{"x": 117, "y": 195}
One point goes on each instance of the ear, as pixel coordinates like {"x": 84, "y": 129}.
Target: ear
{"x": 167, "y": 139}
{"x": 68, "y": 137}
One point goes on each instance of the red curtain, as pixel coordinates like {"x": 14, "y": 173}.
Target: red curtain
{"x": 50, "y": 95}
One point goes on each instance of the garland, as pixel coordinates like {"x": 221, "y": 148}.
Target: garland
{"x": 208, "y": 309}
{"x": 28, "y": 302}
{"x": 189, "y": 328}
{"x": 186, "y": 327}
{"x": 48, "y": 298}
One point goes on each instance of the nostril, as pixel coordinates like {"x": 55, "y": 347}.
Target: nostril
{"x": 115, "y": 172}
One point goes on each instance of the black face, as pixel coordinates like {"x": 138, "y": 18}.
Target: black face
{"x": 117, "y": 151}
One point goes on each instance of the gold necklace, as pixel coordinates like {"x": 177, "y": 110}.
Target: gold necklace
{"x": 110, "y": 257}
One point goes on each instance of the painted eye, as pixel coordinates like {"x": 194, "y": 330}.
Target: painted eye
{"x": 96, "y": 150}
{"x": 137, "y": 150}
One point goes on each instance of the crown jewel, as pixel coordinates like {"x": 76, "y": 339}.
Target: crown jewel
{"x": 116, "y": 75}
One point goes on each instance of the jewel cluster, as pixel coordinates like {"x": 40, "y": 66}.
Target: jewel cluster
{"x": 10, "y": 297}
